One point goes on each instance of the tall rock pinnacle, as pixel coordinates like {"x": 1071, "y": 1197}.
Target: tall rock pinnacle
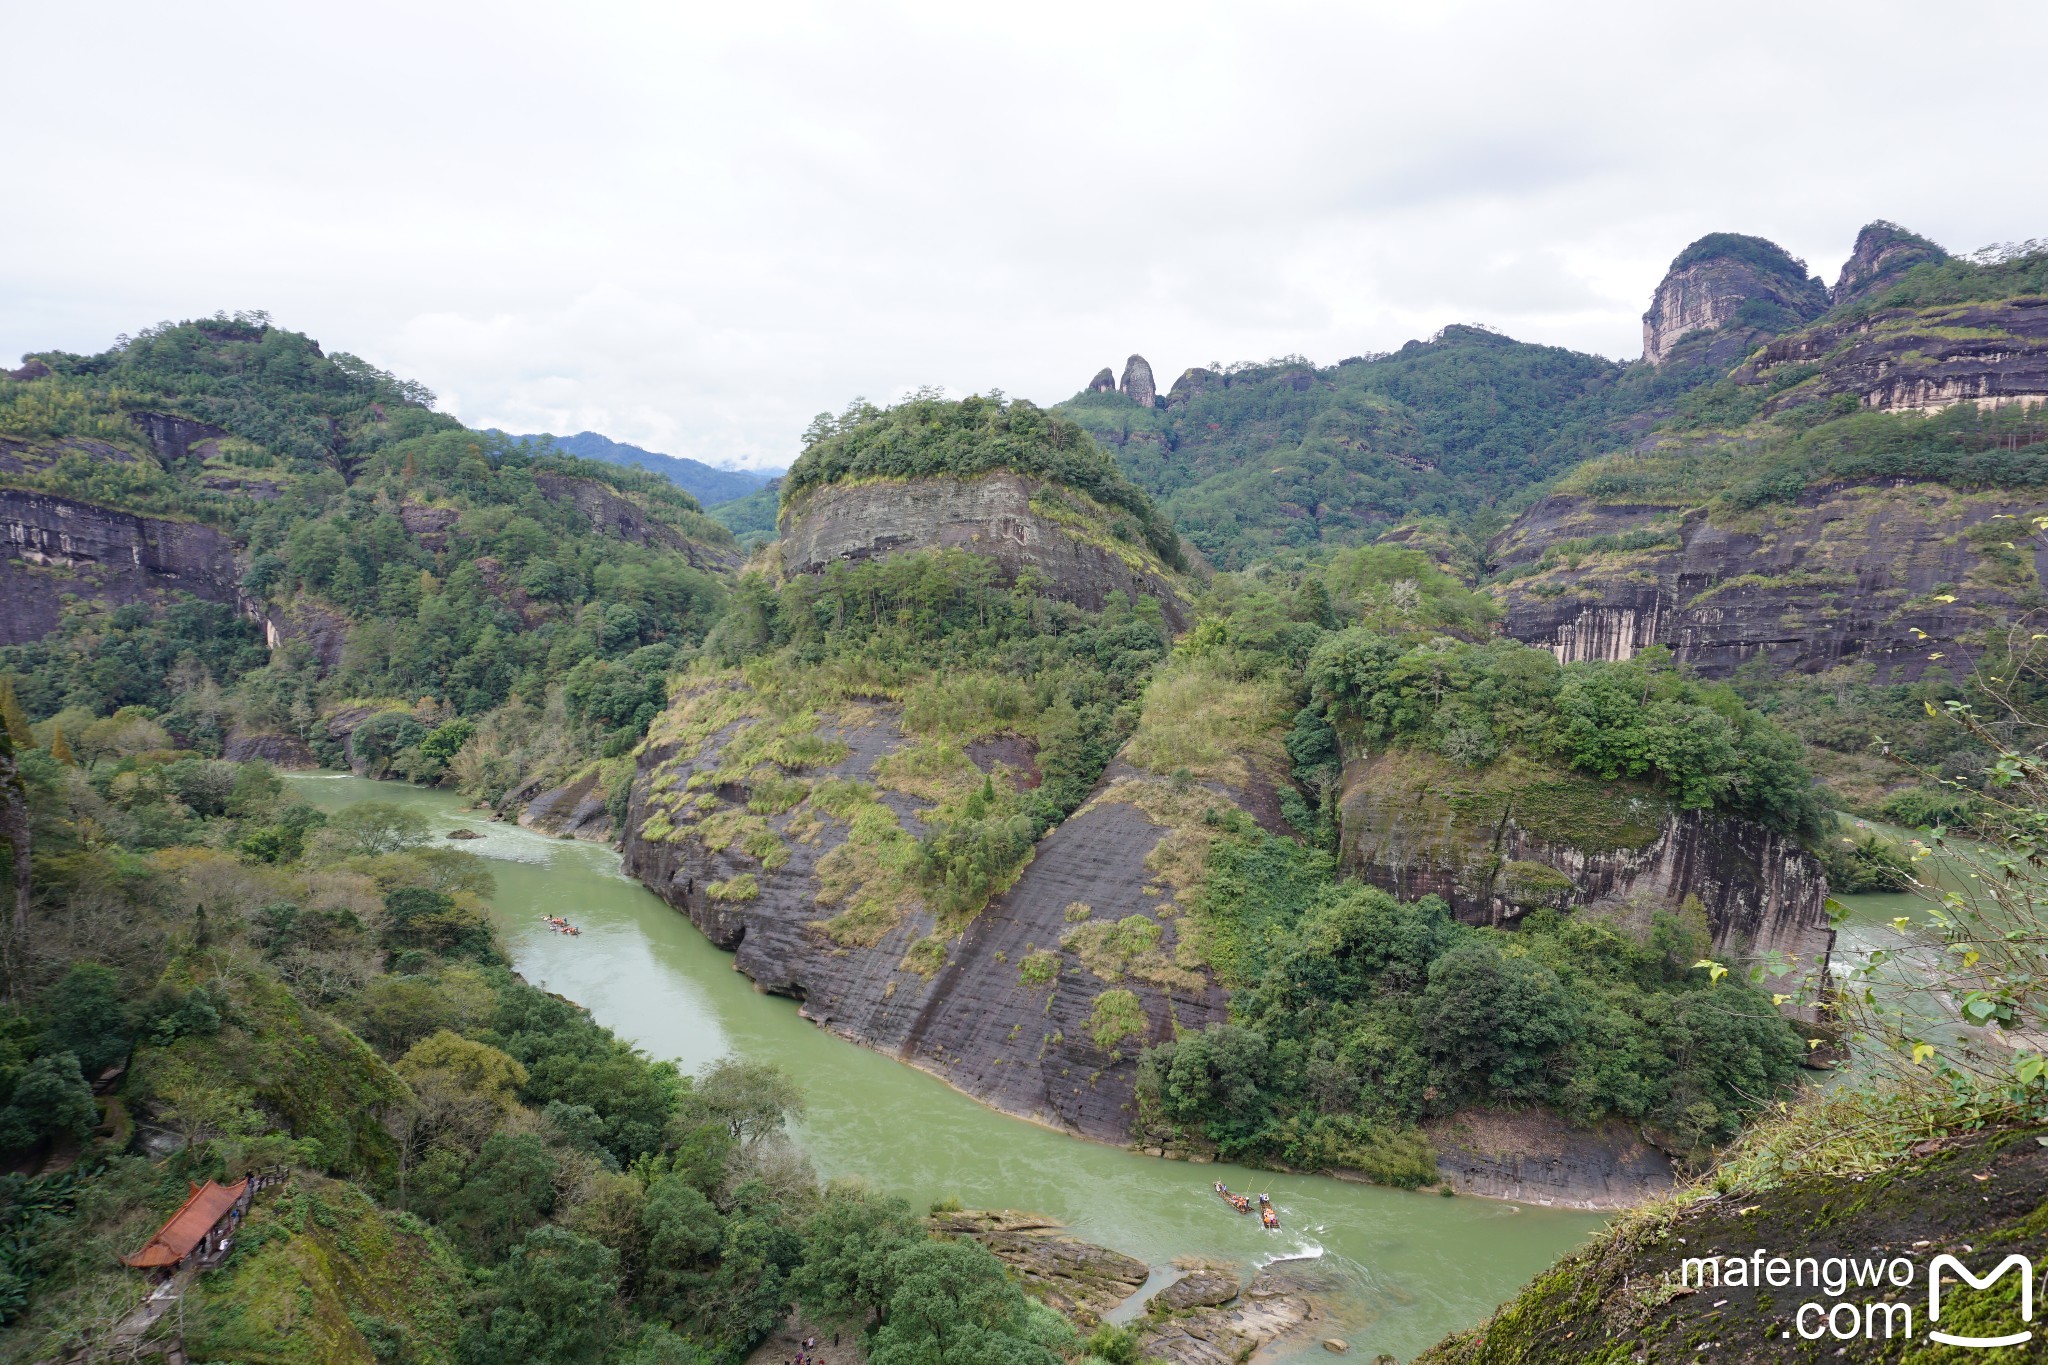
{"x": 1137, "y": 385}
{"x": 1727, "y": 277}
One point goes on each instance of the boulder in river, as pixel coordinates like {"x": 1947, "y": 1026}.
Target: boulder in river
{"x": 1082, "y": 1281}
{"x": 1274, "y": 1305}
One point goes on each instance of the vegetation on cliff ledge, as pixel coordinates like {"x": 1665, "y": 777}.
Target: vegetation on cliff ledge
{"x": 927, "y": 437}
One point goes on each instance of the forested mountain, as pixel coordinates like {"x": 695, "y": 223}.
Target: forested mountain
{"x": 1253, "y": 459}
{"x": 708, "y": 484}
{"x": 1366, "y": 769}
{"x": 1844, "y": 523}
{"x": 203, "y": 490}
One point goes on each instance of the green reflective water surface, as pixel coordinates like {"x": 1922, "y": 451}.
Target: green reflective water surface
{"x": 1403, "y": 1269}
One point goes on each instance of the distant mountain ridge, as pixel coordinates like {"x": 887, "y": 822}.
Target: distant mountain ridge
{"x": 708, "y": 484}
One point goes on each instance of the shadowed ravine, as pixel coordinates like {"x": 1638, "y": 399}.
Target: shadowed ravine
{"x": 1404, "y": 1268}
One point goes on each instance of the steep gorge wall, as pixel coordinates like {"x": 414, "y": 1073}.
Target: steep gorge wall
{"x": 55, "y": 547}
{"x": 1848, "y": 573}
{"x": 1496, "y": 843}
{"x": 972, "y": 1015}
{"x": 1006, "y": 517}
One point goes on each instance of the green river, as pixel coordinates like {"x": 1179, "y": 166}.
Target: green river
{"x": 1402, "y": 1269}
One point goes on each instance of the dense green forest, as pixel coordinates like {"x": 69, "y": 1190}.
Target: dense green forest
{"x": 480, "y": 1172}
{"x": 460, "y": 588}
{"x": 1286, "y": 455}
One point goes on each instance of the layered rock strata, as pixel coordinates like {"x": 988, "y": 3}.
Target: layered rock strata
{"x": 1901, "y": 576}
{"x": 1534, "y": 1156}
{"x": 1006, "y": 1006}
{"x": 1018, "y": 522}
{"x": 1993, "y": 354}
{"x": 1079, "y": 1279}
{"x": 1710, "y": 282}
{"x": 1498, "y": 842}
{"x": 53, "y": 548}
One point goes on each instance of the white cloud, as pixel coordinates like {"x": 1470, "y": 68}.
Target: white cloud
{"x": 693, "y": 226}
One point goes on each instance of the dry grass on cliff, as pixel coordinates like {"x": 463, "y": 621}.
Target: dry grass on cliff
{"x": 1199, "y": 717}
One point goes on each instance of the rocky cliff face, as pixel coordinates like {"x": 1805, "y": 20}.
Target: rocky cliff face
{"x": 1884, "y": 251}
{"x": 1003, "y": 1006}
{"x": 1534, "y": 1156}
{"x": 1103, "y": 382}
{"x": 1895, "y": 574}
{"x": 1725, "y": 279}
{"x": 1016, "y": 521}
{"x": 1137, "y": 383}
{"x": 1498, "y": 842}
{"x": 1612, "y": 1300}
{"x": 173, "y": 438}
{"x": 51, "y": 547}
{"x": 1993, "y": 354}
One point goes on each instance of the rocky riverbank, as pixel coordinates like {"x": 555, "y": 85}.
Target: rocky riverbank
{"x": 1208, "y": 1314}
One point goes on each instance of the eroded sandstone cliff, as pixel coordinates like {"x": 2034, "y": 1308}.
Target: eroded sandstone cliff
{"x": 1071, "y": 542}
{"x": 1883, "y": 252}
{"x": 1729, "y": 280}
{"x": 790, "y": 841}
{"x": 1498, "y": 842}
{"x": 1992, "y": 353}
{"x": 54, "y": 547}
{"x": 1903, "y": 576}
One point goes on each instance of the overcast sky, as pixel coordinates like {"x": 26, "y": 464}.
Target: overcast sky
{"x": 692, "y": 226}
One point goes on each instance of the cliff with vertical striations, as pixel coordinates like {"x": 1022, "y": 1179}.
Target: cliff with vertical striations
{"x": 1725, "y": 280}
{"x": 1498, "y": 842}
{"x": 53, "y": 548}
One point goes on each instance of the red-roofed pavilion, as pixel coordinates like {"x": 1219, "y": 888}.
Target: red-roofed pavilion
{"x": 192, "y": 1225}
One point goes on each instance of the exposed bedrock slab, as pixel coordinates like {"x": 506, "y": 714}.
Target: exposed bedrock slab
{"x": 1535, "y": 1156}
{"x": 52, "y": 547}
{"x": 991, "y": 516}
{"x": 1849, "y": 573}
{"x": 1019, "y": 1041}
{"x": 577, "y": 809}
{"x": 1081, "y": 1280}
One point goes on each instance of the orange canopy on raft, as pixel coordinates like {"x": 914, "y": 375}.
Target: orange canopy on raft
{"x": 178, "y": 1237}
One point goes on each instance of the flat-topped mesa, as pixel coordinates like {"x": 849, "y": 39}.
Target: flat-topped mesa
{"x": 1137, "y": 385}
{"x": 1727, "y": 278}
{"x": 1883, "y": 252}
{"x": 1027, "y": 489}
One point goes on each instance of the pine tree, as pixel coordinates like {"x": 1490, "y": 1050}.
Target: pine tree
{"x": 12, "y": 718}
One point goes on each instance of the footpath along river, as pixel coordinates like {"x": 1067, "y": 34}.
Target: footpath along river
{"x": 1403, "y": 1269}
